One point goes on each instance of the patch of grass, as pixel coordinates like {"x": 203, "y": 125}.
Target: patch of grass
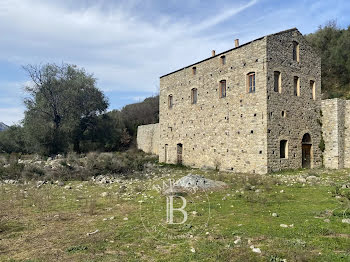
{"x": 52, "y": 223}
{"x": 75, "y": 249}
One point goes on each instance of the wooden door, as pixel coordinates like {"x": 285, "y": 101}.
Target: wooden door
{"x": 179, "y": 154}
{"x": 306, "y": 156}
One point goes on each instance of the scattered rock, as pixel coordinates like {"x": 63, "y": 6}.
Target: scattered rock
{"x": 237, "y": 241}
{"x": 125, "y": 218}
{"x": 40, "y": 183}
{"x": 274, "y": 214}
{"x": 346, "y": 220}
{"x": 327, "y": 220}
{"x": 92, "y": 233}
{"x": 193, "y": 183}
{"x": 255, "y": 249}
{"x": 104, "y": 194}
{"x": 301, "y": 180}
{"x": 193, "y": 250}
{"x": 60, "y": 183}
{"x": 68, "y": 187}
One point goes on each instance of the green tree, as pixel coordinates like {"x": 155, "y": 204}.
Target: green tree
{"x": 333, "y": 45}
{"x": 63, "y": 103}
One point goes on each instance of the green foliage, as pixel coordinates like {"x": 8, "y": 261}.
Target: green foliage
{"x": 333, "y": 44}
{"x": 146, "y": 112}
{"x": 322, "y": 144}
{"x": 63, "y": 102}
{"x": 12, "y": 140}
{"x": 115, "y": 163}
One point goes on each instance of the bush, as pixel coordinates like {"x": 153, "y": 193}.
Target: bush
{"x": 115, "y": 163}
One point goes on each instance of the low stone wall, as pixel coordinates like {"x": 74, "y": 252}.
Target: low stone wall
{"x": 148, "y": 138}
{"x": 336, "y": 133}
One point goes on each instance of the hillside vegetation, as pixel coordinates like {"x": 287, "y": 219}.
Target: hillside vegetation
{"x": 333, "y": 45}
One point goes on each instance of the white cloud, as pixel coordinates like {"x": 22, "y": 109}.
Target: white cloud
{"x": 122, "y": 50}
{"x": 11, "y": 115}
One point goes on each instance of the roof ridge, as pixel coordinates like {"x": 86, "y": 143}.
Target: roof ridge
{"x": 257, "y": 39}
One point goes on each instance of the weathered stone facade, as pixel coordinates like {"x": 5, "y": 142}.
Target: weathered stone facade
{"x": 276, "y": 126}
{"x": 301, "y": 112}
{"x": 148, "y": 138}
{"x": 336, "y": 133}
{"x": 242, "y": 131}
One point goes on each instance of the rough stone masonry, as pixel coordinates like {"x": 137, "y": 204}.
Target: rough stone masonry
{"x": 253, "y": 109}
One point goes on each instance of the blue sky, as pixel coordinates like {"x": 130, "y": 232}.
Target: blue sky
{"x": 129, "y": 44}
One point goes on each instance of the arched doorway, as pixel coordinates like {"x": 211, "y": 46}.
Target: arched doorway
{"x": 306, "y": 145}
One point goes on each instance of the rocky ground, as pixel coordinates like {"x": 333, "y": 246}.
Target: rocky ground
{"x": 300, "y": 215}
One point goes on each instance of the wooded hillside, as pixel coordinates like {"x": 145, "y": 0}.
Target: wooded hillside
{"x": 333, "y": 45}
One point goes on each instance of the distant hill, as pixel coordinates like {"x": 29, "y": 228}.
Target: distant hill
{"x": 3, "y": 126}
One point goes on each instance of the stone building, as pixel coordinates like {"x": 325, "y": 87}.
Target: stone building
{"x": 255, "y": 108}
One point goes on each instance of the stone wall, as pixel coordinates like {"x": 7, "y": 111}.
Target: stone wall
{"x": 227, "y": 133}
{"x": 290, "y": 117}
{"x": 148, "y": 138}
{"x": 336, "y": 133}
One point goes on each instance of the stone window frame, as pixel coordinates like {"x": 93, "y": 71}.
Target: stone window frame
{"x": 251, "y": 89}
{"x": 279, "y": 85}
{"x": 221, "y": 94}
{"x": 283, "y": 145}
{"x": 296, "y": 51}
{"x": 296, "y": 86}
{"x": 170, "y": 101}
{"x": 194, "y": 96}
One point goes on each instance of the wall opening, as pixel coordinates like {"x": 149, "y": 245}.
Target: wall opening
{"x": 179, "y": 154}
{"x": 296, "y": 51}
{"x": 251, "y": 82}
{"x": 223, "y": 60}
{"x": 222, "y": 88}
{"x": 313, "y": 89}
{"x": 166, "y": 153}
{"x": 170, "y": 101}
{"x": 194, "y": 96}
{"x": 277, "y": 82}
{"x": 306, "y": 145}
{"x": 283, "y": 149}
{"x": 296, "y": 86}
